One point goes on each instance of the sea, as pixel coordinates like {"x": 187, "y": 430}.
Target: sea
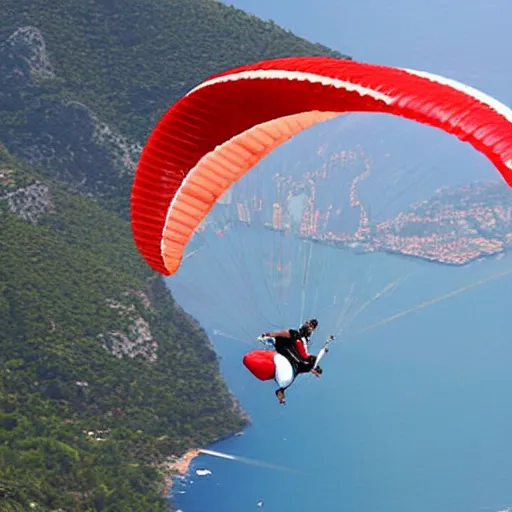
{"x": 414, "y": 409}
{"x": 411, "y": 414}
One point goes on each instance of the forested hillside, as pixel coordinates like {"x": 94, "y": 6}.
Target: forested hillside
{"x": 92, "y": 342}
{"x": 103, "y": 375}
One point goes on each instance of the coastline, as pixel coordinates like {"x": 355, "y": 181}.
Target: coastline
{"x": 177, "y": 467}
{"x": 502, "y": 252}
{"x": 366, "y": 246}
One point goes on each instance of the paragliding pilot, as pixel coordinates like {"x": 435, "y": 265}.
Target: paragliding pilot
{"x": 292, "y": 356}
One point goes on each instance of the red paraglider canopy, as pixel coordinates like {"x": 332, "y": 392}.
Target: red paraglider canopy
{"x": 222, "y": 128}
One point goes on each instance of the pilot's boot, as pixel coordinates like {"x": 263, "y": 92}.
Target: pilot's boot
{"x": 280, "y": 395}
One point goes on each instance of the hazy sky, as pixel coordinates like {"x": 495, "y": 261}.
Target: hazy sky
{"x": 464, "y": 39}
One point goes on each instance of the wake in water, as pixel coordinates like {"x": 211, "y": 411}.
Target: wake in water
{"x": 251, "y": 462}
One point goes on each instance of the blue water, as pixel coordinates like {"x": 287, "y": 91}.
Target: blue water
{"x": 416, "y": 413}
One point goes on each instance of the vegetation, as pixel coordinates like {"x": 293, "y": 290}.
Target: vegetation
{"x": 67, "y": 67}
{"x": 131, "y": 59}
{"x": 59, "y": 379}
{"x": 102, "y": 374}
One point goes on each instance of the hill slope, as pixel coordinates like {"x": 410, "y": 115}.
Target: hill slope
{"x": 92, "y": 345}
{"x": 130, "y": 59}
{"x": 91, "y": 340}
{"x": 83, "y": 83}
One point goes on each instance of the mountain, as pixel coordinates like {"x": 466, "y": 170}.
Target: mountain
{"x": 92, "y": 341}
{"x": 103, "y": 375}
{"x": 83, "y": 83}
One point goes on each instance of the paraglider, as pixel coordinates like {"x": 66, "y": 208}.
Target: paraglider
{"x": 287, "y": 358}
{"x": 269, "y": 364}
{"x": 223, "y": 127}
{"x": 227, "y": 124}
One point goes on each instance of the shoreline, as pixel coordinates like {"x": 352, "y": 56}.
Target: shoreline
{"x": 366, "y": 246}
{"x": 177, "y": 467}
{"x": 425, "y": 259}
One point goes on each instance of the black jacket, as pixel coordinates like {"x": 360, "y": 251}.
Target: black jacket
{"x": 287, "y": 348}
